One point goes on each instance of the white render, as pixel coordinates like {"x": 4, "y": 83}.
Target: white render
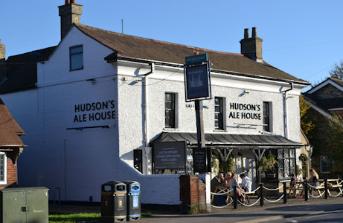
{"x": 77, "y": 162}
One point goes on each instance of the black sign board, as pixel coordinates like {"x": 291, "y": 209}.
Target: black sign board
{"x": 197, "y": 78}
{"x": 169, "y": 155}
{"x": 199, "y": 160}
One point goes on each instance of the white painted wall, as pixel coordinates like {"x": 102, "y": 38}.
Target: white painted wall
{"x": 77, "y": 162}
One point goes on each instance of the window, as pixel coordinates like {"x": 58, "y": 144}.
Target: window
{"x": 286, "y": 163}
{"x": 170, "y": 110}
{"x": 3, "y": 168}
{"x": 267, "y": 116}
{"x": 219, "y": 113}
{"x": 76, "y": 58}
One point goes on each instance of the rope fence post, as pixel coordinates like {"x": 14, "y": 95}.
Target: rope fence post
{"x": 235, "y": 201}
{"x": 326, "y": 194}
{"x": 284, "y": 192}
{"x": 261, "y": 195}
{"x": 305, "y": 190}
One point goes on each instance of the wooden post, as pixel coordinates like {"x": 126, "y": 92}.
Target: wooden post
{"x": 326, "y": 194}
{"x": 305, "y": 190}
{"x": 284, "y": 193}
{"x": 235, "y": 198}
{"x": 261, "y": 195}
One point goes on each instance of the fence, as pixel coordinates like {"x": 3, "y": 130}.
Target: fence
{"x": 327, "y": 188}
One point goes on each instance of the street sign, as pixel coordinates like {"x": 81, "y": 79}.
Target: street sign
{"x": 197, "y": 78}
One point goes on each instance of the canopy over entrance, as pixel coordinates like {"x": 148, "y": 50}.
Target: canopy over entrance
{"x": 228, "y": 140}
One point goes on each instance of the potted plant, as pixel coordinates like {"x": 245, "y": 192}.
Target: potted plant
{"x": 267, "y": 165}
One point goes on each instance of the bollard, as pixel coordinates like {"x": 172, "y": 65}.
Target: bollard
{"x": 326, "y": 194}
{"x": 305, "y": 190}
{"x": 284, "y": 193}
{"x": 261, "y": 195}
{"x": 235, "y": 201}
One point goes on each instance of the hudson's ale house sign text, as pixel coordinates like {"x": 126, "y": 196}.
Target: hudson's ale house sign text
{"x": 245, "y": 111}
{"x": 94, "y": 111}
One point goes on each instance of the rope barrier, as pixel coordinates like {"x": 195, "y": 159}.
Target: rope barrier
{"x": 250, "y": 205}
{"x": 270, "y": 189}
{"x": 223, "y": 193}
{"x": 318, "y": 196}
{"x": 337, "y": 195}
{"x": 274, "y": 201}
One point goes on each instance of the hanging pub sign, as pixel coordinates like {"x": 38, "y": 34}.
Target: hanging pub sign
{"x": 197, "y": 78}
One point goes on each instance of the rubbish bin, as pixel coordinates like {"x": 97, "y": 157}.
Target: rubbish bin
{"x": 24, "y": 205}
{"x": 113, "y": 202}
{"x": 133, "y": 200}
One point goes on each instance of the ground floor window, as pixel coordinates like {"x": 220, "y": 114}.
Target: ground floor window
{"x": 286, "y": 163}
{"x": 3, "y": 168}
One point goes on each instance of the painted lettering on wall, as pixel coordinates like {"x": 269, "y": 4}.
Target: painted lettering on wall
{"x": 95, "y": 111}
{"x": 245, "y": 111}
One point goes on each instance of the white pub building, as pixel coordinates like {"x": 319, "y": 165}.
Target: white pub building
{"x": 97, "y": 107}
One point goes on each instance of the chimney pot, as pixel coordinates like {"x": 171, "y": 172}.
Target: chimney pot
{"x": 251, "y": 47}
{"x": 254, "y": 33}
{"x": 246, "y": 33}
{"x": 70, "y": 14}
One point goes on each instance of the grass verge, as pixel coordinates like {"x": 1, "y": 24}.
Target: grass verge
{"x": 74, "y": 218}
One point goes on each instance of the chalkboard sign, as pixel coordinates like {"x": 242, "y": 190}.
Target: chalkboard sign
{"x": 199, "y": 160}
{"x": 169, "y": 155}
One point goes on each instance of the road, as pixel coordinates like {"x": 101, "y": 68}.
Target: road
{"x": 314, "y": 211}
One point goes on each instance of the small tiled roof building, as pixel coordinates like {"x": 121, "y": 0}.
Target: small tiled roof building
{"x": 11, "y": 146}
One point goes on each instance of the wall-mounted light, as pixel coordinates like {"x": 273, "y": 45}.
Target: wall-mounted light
{"x": 92, "y": 80}
{"x": 245, "y": 91}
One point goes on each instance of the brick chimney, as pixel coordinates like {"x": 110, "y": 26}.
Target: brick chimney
{"x": 251, "y": 47}
{"x": 70, "y": 13}
{"x": 2, "y": 51}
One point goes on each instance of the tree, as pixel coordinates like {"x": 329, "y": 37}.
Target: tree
{"x": 337, "y": 71}
{"x": 306, "y": 121}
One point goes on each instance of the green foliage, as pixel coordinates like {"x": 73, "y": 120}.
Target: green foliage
{"x": 268, "y": 163}
{"x": 337, "y": 71}
{"x": 306, "y": 122}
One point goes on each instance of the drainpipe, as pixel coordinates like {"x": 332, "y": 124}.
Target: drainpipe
{"x": 284, "y": 96}
{"x": 145, "y": 116}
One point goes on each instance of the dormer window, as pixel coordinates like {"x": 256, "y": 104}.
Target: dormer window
{"x": 76, "y": 58}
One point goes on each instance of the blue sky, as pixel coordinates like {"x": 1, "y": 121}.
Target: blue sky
{"x": 301, "y": 37}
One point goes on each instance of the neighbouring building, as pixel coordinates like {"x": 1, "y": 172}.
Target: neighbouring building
{"x": 103, "y": 105}
{"x": 11, "y": 146}
{"x": 326, "y": 104}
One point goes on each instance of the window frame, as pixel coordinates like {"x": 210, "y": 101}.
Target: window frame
{"x": 175, "y": 123}
{"x": 286, "y": 160}
{"x": 75, "y": 54}
{"x": 267, "y": 127}
{"x": 4, "y": 182}
{"x": 222, "y": 112}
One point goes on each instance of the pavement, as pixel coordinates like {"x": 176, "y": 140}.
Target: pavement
{"x": 320, "y": 210}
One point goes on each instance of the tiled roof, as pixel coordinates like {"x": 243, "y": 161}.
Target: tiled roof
{"x": 19, "y": 72}
{"x": 149, "y": 49}
{"x": 10, "y": 131}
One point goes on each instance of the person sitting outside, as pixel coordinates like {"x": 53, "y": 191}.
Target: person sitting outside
{"x": 231, "y": 182}
{"x": 217, "y": 182}
{"x": 314, "y": 178}
{"x": 246, "y": 182}
{"x": 292, "y": 186}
